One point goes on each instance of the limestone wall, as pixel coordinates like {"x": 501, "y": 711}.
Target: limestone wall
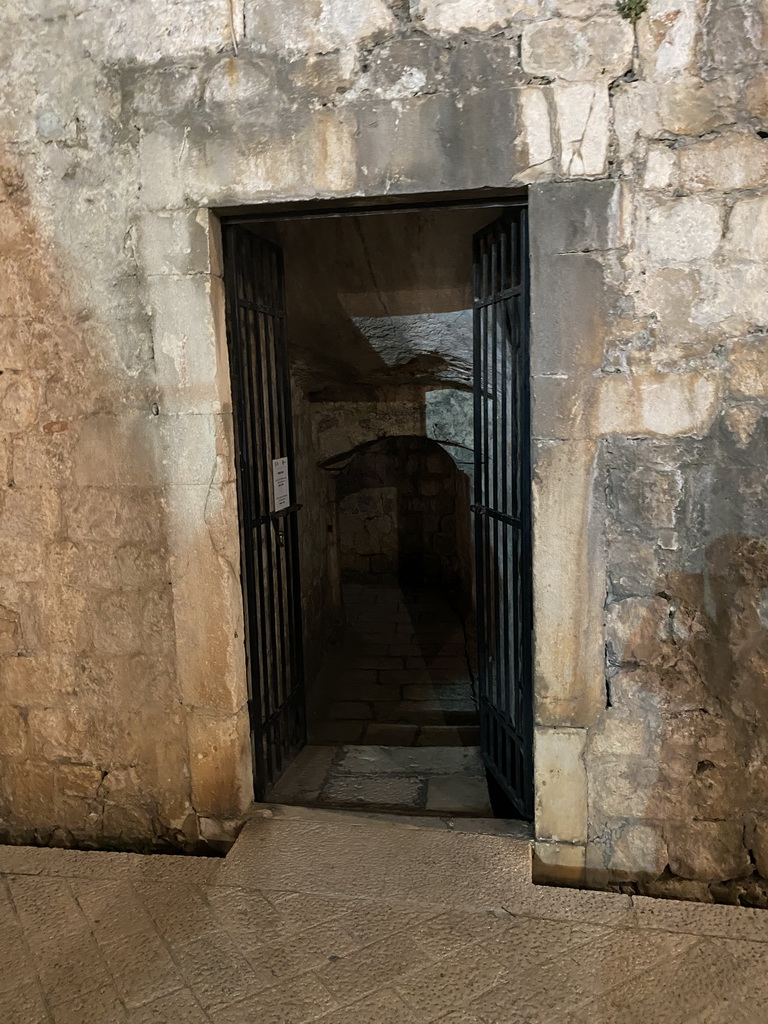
{"x": 122, "y": 694}
{"x": 403, "y": 512}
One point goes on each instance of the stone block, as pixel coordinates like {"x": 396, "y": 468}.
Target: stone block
{"x": 672, "y": 404}
{"x": 176, "y": 28}
{"x": 682, "y": 230}
{"x": 29, "y": 512}
{"x": 568, "y": 586}
{"x": 731, "y": 161}
{"x": 760, "y": 847}
{"x": 117, "y": 451}
{"x": 316, "y": 27}
{"x": 623, "y": 787}
{"x": 561, "y": 785}
{"x": 31, "y": 788}
{"x": 574, "y": 217}
{"x": 667, "y": 38}
{"x": 707, "y": 850}
{"x": 748, "y": 366}
{"x": 647, "y": 497}
{"x": 184, "y": 343}
{"x": 535, "y": 111}
{"x": 451, "y": 16}
{"x": 569, "y": 329}
{"x": 173, "y": 242}
{"x": 220, "y": 765}
{"x": 634, "y": 628}
{"x": 574, "y": 50}
{"x": 583, "y": 116}
{"x": 19, "y": 400}
{"x": 690, "y": 106}
{"x": 660, "y": 168}
{"x": 558, "y": 864}
{"x": 104, "y": 516}
{"x": 626, "y": 851}
{"x": 733, "y": 35}
{"x": 13, "y": 732}
{"x": 747, "y": 235}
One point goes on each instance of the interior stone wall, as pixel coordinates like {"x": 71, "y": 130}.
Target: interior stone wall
{"x": 403, "y": 515}
{"x": 646, "y": 156}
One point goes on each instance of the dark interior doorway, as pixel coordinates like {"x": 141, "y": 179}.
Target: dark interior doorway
{"x": 392, "y": 378}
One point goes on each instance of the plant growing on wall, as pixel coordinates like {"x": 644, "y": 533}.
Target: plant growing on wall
{"x": 631, "y": 9}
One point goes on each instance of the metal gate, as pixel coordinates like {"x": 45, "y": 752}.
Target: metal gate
{"x": 502, "y": 504}
{"x": 261, "y": 399}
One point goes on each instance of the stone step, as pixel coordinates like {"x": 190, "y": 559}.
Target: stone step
{"x": 473, "y": 864}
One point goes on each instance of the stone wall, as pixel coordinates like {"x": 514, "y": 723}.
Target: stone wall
{"x": 646, "y": 156}
{"x": 404, "y": 515}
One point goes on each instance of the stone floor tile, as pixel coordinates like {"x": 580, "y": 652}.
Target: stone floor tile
{"x": 446, "y": 933}
{"x": 372, "y": 967}
{"x": 425, "y": 867}
{"x": 245, "y": 911}
{"x": 373, "y": 791}
{"x": 24, "y": 1004}
{"x": 375, "y": 921}
{"x": 180, "y": 1007}
{"x": 382, "y": 1007}
{"x": 101, "y": 1006}
{"x": 303, "y": 952}
{"x": 556, "y": 903}
{"x": 452, "y": 982}
{"x": 17, "y": 966}
{"x": 177, "y": 908}
{"x": 111, "y": 908}
{"x": 294, "y": 1002}
{"x": 462, "y": 1017}
{"x": 300, "y": 910}
{"x": 216, "y": 972}
{"x": 701, "y": 918}
{"x": 450, "y": 795}
{"x": 141, "y": 966}
{"x": 67, "y": 959}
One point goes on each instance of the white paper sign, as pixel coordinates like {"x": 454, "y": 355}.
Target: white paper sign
{"x": 281, "y": 489}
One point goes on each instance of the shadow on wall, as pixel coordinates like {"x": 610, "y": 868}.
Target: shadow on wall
{"x": 404, "y": 515}
{"x": 690, "y": 689}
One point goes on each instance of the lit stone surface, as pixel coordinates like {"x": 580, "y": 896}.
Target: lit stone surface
{"x": 122, "y": 670}
{"x": 123, "y": 939}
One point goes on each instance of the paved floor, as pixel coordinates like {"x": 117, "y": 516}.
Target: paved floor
{"x": 349, "y": 920}
{"x": 399, "y": 674}
{"x": 411, "y": 780}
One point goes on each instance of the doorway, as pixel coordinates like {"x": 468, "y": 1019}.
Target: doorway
{"x": 379, "y": 362}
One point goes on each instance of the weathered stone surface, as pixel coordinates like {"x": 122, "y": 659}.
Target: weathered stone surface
{"x": 707, "y": 849}
{"x": 573, "y": 50}
{"x": 582, "y": 120}
{"x": 561, "y": 785}
{"x": 682, "y": 230}
{"x": 118, "y": 518}
{"x": 747, "y": 235}
{"x": 449, "y": 16}
{"x": 726, "y": 163}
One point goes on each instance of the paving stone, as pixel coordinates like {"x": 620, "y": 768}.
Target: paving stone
{"x": 372, "y": 967}
{"x": 374, "y": 791}
{"x": 179, "y": 1008}
{"x": 365, "y": 919}
{"x": 441, "y": 987}
{"x": 451, "y": 795}
{"x": 295, "y": 1001}
{"x": 23, "y": 1004}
